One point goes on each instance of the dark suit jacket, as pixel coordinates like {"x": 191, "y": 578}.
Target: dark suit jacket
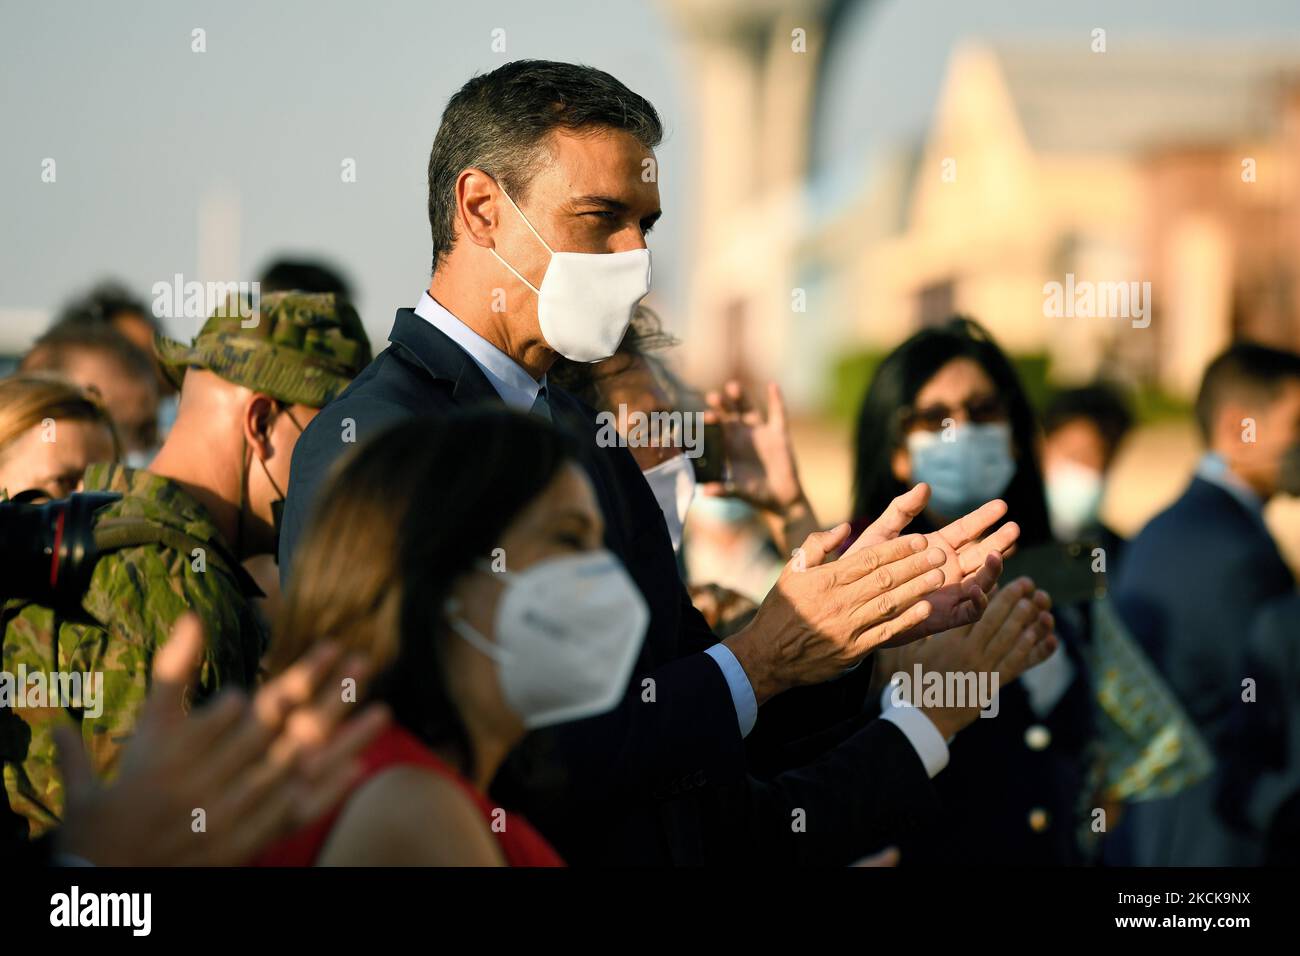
{"x": 1188, "y": 590}
{"x": 1260, "y": 792}
{"x": 653, "y": 782}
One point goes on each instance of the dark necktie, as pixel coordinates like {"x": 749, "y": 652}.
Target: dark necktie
{"x": 540, "y": 408}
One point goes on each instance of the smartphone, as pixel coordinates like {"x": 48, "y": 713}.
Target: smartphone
{"x": 711, "y": 464}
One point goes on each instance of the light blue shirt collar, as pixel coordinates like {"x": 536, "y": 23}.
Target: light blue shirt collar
{"x": 1214, "y": 469}
{"x": 516, "y": 387}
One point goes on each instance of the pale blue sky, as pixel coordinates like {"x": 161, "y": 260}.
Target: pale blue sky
{"x": 142, "y": 128}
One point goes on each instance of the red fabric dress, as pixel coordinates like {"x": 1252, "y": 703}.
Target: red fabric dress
{"x": 520, "y": 843}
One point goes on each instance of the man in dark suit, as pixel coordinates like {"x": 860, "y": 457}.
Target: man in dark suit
{"x": 1193, "y": 579}
{"x": 541, "y": 191}
{"x": 1260, "y": 794}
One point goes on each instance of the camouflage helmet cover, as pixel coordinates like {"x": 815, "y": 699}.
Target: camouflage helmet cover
{"x": 301, "y": 348}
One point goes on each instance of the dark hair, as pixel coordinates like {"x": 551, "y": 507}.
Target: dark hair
{"x": 1099, "y": 403}
{"x": 421, "y": 501}
{"x": 894, "y": 387}
{"x": 304, "y": 275}
{"x": 498, "y": 122}
{"x": 644, "y": 337}
{"x": 53, "y": 351}
{"x": 1244, "y": 372}
{"x": 102, "y": 304}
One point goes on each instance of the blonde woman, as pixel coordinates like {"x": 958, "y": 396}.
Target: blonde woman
{"x": 50, "y": 430}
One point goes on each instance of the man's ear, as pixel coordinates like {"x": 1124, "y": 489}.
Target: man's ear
{"x": 477, "y": 206}
{"x": 259, "y": 417}
{"x": 1235, "y": 426}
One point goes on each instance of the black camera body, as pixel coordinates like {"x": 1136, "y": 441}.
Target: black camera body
{"x": 47, "y": 548}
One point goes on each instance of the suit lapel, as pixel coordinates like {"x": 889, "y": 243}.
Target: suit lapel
{"x": 421, "y": 344}
{"x": 442, "y": 358}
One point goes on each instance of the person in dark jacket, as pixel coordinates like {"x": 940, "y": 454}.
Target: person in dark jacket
{"x": 539, "y": 207}
{"x": 1194, "y": 578}
{"x": 1260, "y": 790}
{"x": 947, "y": 408}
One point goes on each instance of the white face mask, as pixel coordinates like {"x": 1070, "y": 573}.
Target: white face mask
{"x": 586, "y": 300}
{"x": 1074, "y": 494}
{"x": 140, "y": 458}
{"x": 673, "y": 484}
{"x": 568, "y": 631}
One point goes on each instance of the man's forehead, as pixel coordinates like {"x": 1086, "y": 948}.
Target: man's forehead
{"x": 602, "y": 162}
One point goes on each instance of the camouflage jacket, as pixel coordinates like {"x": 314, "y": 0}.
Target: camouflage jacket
{"x": 135, "y": 595}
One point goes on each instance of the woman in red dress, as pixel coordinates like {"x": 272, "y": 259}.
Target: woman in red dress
{"x": 464, "y": 557}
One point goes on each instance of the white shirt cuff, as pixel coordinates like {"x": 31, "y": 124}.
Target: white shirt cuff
{"x": 742, "y": 691}
{"x": 919, "y": 730}
{"x": 1046, "y": 683}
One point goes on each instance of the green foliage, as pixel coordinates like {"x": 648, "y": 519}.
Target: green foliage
{"x": 850, "y": 376}
{"x": 1032, "y": 369}
{"x": 1153, "y": 404}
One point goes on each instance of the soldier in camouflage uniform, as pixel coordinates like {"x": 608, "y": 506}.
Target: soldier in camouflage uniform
{"x": 176, "y": 538}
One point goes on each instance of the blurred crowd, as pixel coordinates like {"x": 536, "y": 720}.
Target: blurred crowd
{"x": 274, "y": 597}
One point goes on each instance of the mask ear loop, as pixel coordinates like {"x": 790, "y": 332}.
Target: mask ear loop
{"x": 275, "y": 485}
{"x": 518, "y": 275}
{"x": 471, "y": 634}
{"x": 243, "y": 496}
{"x": 243, "y": 480}
{"x": 285, "y": 410}
{"x": 289, "y": 411}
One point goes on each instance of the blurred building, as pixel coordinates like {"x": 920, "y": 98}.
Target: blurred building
{"x": 753, "y": 69}
{"x": 1176, "y": 165}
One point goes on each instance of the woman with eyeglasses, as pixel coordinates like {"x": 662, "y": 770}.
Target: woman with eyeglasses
{"x": 947, "y": 408}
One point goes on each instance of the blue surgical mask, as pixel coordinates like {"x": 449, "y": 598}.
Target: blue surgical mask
{"x": 722, "y": 510}
{"x": 965, "y": 466}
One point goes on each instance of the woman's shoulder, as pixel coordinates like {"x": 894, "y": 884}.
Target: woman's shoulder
{"x": 411, "y": 814}
{"x": 411, "y": 808}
